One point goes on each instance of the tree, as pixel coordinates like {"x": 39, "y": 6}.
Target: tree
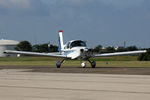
{"x": 131, "y": 48}
{"x": 144, "y": 56}
{"x": 24, "y": 46}
{"x": 109, "y": 50}
{"x": 98, "y": 48}
{"x": 41, "y": 47}
{"x": 121, "y": 49}
{"x": 45, "y": 48}
{"x": 53, "y": 48}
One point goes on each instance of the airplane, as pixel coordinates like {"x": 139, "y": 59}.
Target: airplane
{"x": 74, "y": 49}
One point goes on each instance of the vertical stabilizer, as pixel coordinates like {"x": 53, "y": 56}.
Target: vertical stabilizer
{"x": 61, "y": 42}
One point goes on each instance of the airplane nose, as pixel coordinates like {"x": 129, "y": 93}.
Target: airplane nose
{"x": 85, "y": 53}
{"x": 90, "y": 50}
{"x": 85, "y": 50}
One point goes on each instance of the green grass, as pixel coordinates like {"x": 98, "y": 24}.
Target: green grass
{"x": 118, "y": 61}
{"x": 115, "y": 58}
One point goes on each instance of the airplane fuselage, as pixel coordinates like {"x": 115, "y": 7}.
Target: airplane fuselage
{"x": 81, "y": 53}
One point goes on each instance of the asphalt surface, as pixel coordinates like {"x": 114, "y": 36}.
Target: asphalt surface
{"x": 88, "y": 70}
{"x": 22, "y": 84}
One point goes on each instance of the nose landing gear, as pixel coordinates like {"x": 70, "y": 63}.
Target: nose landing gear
{"x": 83, "y": 64}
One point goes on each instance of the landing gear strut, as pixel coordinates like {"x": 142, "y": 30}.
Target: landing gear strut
{"x": 93, "y": 63}
{"x": 58, "y": 64}
{"x": 83, "y": 64}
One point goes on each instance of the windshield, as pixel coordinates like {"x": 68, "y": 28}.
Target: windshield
{"x": 77, "y": 44}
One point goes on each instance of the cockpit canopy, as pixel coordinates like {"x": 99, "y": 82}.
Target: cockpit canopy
{"x": 77, "y": 43}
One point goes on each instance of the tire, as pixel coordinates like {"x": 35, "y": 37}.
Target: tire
{"x": 58, "y": 64}
{"x": 93, "y": 64}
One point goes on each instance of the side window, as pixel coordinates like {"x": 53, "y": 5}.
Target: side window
{"x": 68, "y": 45}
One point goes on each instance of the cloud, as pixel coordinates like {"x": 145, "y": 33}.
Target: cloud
{"x": 16, "y": 4}
{"x": 28, "y": 4}
{"x": 123, "y": 3}
{"x": 67, "y": 2}
{"x": 117, "y": 3}
{"x": 23, "y": 8}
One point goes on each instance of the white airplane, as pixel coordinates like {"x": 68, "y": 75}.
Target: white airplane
{"x": 75, "y": 49}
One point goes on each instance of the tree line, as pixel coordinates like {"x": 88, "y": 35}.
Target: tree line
{"x": 26, "y": 46}
{"x": 109, "y": 49}
{"x": 47, "y": 47}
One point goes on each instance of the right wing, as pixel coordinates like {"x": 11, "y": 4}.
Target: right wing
{"x": 58, "y": 55}
{"x": 119, "y": 53}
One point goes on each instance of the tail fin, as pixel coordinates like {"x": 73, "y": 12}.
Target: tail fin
{"x": 61, "y": 42}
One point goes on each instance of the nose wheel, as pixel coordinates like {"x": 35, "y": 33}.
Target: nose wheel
{"x": 83, "y": 64}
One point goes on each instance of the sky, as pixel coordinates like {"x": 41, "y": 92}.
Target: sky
{"x": 105, "y": 22}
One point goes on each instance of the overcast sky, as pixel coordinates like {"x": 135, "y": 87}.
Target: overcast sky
{"x": 105, "y": 22}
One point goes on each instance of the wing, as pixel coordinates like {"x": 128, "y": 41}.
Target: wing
{"x": 119, "y": 53}
{"x": 58, "y": 55}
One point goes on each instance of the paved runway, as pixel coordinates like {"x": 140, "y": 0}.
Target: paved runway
{"x": 18, "y": 84}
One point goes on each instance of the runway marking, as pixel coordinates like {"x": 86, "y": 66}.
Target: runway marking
{"x": 84, "y": 90}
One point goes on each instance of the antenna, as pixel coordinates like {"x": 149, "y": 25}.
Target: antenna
{"x": 124, "y": 44}
{"x": 35, "y": 37}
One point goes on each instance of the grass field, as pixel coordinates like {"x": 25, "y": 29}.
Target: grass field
{"x": 118, "y": 61}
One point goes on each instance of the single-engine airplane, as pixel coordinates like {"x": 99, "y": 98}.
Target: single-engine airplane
{"x": 75, "y": 49}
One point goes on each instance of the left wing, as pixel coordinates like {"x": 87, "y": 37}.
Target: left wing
{"x": 58, "y": 55}
{"x": 119, "y": 53}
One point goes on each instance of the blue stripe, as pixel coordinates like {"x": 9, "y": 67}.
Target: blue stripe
{"x": 59, "y": 47}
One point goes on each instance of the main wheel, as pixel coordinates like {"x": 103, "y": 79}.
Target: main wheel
{"x": 83, "y": 64}
{"x": 58, "y": 64}
{"x": 93, "y": 64}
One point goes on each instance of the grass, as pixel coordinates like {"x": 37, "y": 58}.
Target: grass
{"x": 115, "y": 58}
{"x": 118, "y": 61}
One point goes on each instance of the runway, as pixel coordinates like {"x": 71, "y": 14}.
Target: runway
{"x": 17, "y": 84}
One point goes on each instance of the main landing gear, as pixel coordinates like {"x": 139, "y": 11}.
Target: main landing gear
{"x": 93, "y": 63}
{"x": 83, "y": 64}
{"x": 58, "y": 64}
